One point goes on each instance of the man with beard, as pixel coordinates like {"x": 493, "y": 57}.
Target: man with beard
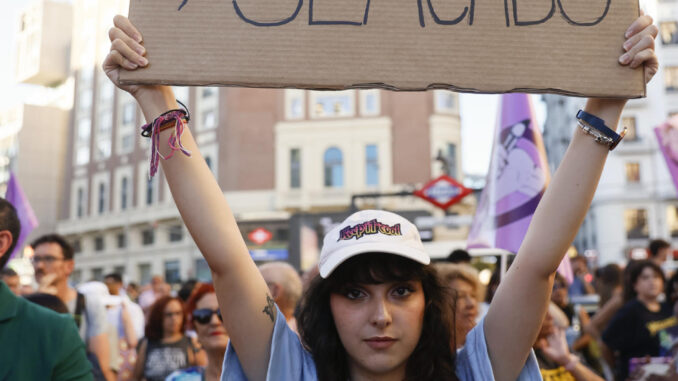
{"x": 37, "y": 343}
{"x": 53, "y": 264}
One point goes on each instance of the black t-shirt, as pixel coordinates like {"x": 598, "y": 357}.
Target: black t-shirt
{"x": 632, "y": 332}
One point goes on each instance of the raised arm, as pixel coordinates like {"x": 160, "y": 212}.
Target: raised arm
{"x": 247, "y": 309}
{"x": 517, "y": 310}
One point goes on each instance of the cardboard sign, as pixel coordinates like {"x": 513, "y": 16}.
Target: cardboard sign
{"x": 557, "y": 46}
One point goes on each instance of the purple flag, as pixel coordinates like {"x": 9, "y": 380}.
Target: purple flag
{"x": 516, "y": 180}
{"x": 667, "y": 135}
{"x": 24, "y": 211}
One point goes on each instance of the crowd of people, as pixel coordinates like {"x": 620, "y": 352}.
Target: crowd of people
{"x": 374, "y": 308}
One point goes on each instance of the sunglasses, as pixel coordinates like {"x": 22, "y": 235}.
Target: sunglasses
{"x": 204, "y": 315}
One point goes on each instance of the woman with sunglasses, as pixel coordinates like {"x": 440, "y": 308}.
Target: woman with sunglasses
{"x": 165, "y": 348}
{"x": 377, "y": 310}
{"x": 204, "y": 316}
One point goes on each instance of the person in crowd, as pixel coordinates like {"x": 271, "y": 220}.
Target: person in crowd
{"x": 578, "y": 341}
{"x": 459, "y": 256}
{"x": 632, "y": 332}
{"x": 186, "y": 289}
{"x": 128, "y": 320}
{"x": 608, "y": 282}
{"x": 53, "y": 264}
{"x": 581, "y": 283}
{"x": 465, "y": 293}
{"x": 658, "y": 250}
{"x": 11, "y": 279}
{"x": 165, "y": 348}
{"x": 132, "y": 291}
{"x": 377, "y": 310}
{"x": 556, "y": 362}
{"x": 285, "y": 287}
{"x": 37, "y": 343}
{"x": 202, "y": 310}
{"x": 157, "y": 289}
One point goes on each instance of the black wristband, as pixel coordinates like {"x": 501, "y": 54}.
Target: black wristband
{"x": 599, "y": 125}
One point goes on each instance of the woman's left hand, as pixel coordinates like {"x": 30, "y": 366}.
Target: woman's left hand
{"x": 639, "y": 46}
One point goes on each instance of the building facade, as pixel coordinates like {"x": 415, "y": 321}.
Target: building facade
{"x": 636, "y": 199}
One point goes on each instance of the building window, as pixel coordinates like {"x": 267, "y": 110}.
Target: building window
{"x": 672, "y": 220}
{"x": 80, "y": 202}
{"x": 202, "y": 271}
{"x": 671, "y": 78}
{"x": 98, "y": 274}
{"x": 172, "y": 272}
{"x": 129, "y": 113}
{"x": 332, "y": 104}
{"x": 209, "y": 119}
{"x": 452, "y": 160}
{"x": 76, "y": 276}
{"x": 334, "y": 168}
{"x": 99, "y": 243}
{"x": 208, "y": 92}
{"x": 106, "y": 90}
{"x": 121, "y": 239}
{"x": 369, "y": 102}
{"x": 103, "y": 135}
{"x": 147, "y": 237}
{"x": 102, "y": 199}
{"x": 149, "y": 191}
{"x": 295, "y": 168}
{"x": 85, "y": 98}
{"x": 77, "y": 246}
{"x": 445, "y": 101}
{"x": 176, "y": 233}
{"x": 633, "y": 173}
{"x": 120, "y": 270}
{"x": 668, "y": 31}
{"x": 635, "y": 221}
{"x": 144, "y": 270}
{"x": 124, "y": 193}
{"x": 82, "y": 141}
{"x": 371, "y": 165}
{"x": 630, "y": 123}
{"x": 294, "y": 103}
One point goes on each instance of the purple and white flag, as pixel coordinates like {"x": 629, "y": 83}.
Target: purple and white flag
{"x": 667, "y": 136}
{"x": 516, "y": 180}
{"x": 15, "y": 195}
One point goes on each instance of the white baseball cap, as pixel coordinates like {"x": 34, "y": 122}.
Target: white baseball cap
{"x": 371, "y": 231}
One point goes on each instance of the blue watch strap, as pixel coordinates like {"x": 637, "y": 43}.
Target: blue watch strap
{"x": 598, "y": 124}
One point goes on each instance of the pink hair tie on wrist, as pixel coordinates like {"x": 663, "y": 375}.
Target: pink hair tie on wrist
{"x": 176, "y": 119}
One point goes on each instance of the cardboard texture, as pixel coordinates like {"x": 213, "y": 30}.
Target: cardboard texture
{"x": 558, "y": 46}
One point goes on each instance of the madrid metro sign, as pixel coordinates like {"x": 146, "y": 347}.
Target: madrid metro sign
{"x": 443, "y": 192}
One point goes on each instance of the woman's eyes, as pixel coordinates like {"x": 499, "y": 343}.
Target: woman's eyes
{"x": 354, "y": 293}
{"x": 402, "y": 291}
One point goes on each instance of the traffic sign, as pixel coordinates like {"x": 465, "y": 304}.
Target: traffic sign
{"x": 443, "y": 192}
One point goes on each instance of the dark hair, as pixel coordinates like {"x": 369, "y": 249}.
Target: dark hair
{"x": 66, "y": 247}
{"x": 186, "y": 289}
{"x": 670, "y": 288}
{"x": 7, "y": 272}
{"x": 607, "y": 279}
{"x": 656, "y": 245}
{"x": 9, "y": 221}
{"x": 48, "y": 301}
{"x": 115, "y": 276}
{"x": 432, "y": 359}
{"x": 459, "y": 256}
{"x": 200, "y": 290}
{"x": 635, "y": 269}
{"x": 154, "y": 326}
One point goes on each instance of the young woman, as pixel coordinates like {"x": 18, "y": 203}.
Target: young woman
{"x": 377, "y": 310}
{"x": 634, "y": 330}
{"x": 202, "y": 310}
{"x": 165, "y": 348}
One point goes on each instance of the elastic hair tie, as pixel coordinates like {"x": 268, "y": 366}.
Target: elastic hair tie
{"x": 176, "y": 119}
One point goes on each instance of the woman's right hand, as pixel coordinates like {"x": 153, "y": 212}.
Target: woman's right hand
{"x": 126, "y": 52}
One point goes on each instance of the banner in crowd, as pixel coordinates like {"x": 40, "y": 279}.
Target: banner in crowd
{"x": 667, "y": 136}
{"x": 470, "y": 46}
{"x": 15, "y": 195}
{"x": 516, "y": 180}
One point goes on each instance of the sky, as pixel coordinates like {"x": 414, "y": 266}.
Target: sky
{"x": 478, "y": 111}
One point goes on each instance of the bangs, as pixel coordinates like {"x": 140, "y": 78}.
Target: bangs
{"x": 376, "y": 268}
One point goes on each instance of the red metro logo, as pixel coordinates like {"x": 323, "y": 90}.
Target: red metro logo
{"x": 443, "y": 192}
